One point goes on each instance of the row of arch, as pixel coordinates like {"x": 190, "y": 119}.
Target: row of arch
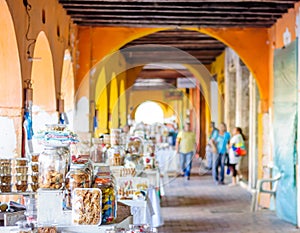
{"x": 44, "y": 102}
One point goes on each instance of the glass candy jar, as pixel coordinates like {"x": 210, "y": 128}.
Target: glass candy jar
{"x": 116, "y": 156}
{"x": 52, "y": 167}
{"x": 97, "y": 154}
{"x": 109, "y": 198}
{"x": 79, "y": 176}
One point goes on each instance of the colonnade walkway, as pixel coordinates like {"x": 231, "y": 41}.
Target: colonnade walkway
{"x": 198, "y": 205}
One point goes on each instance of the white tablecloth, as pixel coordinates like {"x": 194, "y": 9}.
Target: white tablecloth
{"x": 168, "y": 160}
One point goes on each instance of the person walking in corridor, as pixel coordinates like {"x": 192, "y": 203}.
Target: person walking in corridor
{"x": 237, "y": 141}
{"x": 219, "y": 143}
{"x": 185, "y": 146}
{"x": 208, "y": 149}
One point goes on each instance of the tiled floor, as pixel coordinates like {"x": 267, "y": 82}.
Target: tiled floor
{"x": 199, "y": 205}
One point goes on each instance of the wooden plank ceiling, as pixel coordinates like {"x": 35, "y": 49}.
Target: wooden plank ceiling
{"x": 177, "y": 14}
{"x": 151, "y": 48}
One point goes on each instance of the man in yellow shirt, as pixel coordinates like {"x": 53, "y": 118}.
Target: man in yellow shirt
{"x": 186, "y": 145}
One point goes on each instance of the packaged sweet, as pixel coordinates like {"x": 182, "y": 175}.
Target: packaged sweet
{"x": 21, "y": 161}
{"x": 22, "y": 169}
{"x": 21, "y": 186}
{"x": 35, "y": 157}
{"x": 5, "y": 188}
{"x": 35, "y": 167}
{"x": 86, "y": 208}
{"x": 47, "y": 229}
{"x": 6, "y": 179}
{"x": 109, "y": 198}
{"x": 21, "y": 177}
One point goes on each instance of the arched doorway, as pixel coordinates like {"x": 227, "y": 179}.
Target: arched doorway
{"x": 67, "y": 88}
{"x": 10, "y": 78}
{"x": 42, "y": 76}
{"x": 149, "y": 112}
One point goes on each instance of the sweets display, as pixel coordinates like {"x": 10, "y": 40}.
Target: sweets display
{"x": 21, "y": 186}
{"x": 48, "y": 229}
{"x": 5, "y": 175}
{"x": 35, "y": 167}
{"x": 56, "y": 135}
{"x": 115, "y": 137}
{"x": 21, "y": 177}
{"x": 35, "y": 157}
{"x": 6, "y": 179}
{"x": 5, "y": 188}
{"x": 109, "y": 204}
{"x": 97, "y": 154}
{"x": 115, "y": 156}
{"x": 51, "y": 180}
{"x": 22, "y": 170}
{"x": 130, "y": 187}
{"x": 34, "y": 186}
{"x": 86, "y": 206}
{"x": 134, "y": 146}
{"x": 52, "y": 167}
{"x": 78, "y": 177}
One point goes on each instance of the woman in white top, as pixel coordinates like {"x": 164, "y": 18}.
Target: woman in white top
{"x": 238, "y": 138}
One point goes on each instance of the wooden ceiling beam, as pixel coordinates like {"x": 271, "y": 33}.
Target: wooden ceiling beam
{"x": 192, "y": 46}
{"x": 185, "y": 1}
{"x": 151, "y": 12}
{"x": 149, "y": 23}
{"x": 167, "y": 24}
{"x": 164, "y": 17}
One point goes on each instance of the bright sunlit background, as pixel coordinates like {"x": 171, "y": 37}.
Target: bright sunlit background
{"x": 149, "y": 113}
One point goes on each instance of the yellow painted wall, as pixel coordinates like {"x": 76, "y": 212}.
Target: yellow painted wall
{"x": 217, "y": 68}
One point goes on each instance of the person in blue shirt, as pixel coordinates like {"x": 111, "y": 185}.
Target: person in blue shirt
{"x": 208, "y": 149}
{"x": 219, "y": 143}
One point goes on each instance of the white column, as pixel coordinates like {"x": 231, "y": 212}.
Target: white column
{"x": 230, "y": 89}
{"x": 242, "y": 97}
{"x": 252, "y": 147}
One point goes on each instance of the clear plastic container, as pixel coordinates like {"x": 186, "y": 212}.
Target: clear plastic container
{"x": 35, "y": 177}
{"x": 86, "y": 204}
{"x": 21, "y": 186}
{"x": 21, "y": 177}
{"x": 21, "y": 162}
{"x": 22, "y": 170}
{"x": 34, "y": 187}
{"x": 35, "y": 167}
{"x": 5, "y": 170}
{"x": 35, "y": 157}
{"x": 6, "y": 179}
{"x": 109, "y": 198}
{"x": 6, "y": 188}
{"x": 5, "y": 162}
{"x": 79, "y": 176}
{"x": 52, "y": 167}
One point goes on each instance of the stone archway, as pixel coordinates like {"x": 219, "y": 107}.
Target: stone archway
{"x": 10, "y": 88}
{"x": 42, "y": 77}
{"x": 67, "y": 87}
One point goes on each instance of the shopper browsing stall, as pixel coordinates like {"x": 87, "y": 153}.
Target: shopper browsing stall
{"x": 186, "y": 145}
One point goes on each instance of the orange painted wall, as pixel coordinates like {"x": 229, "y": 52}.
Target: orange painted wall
{"x": 96, "y": 43}
{"x": 252, "y": 45}
{"x": 56, "y": 20}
